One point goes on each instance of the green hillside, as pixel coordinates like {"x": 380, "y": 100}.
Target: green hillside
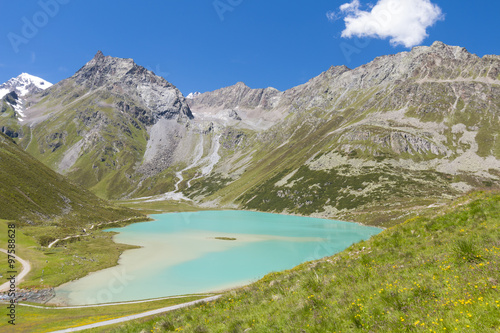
{"x": 105, "y": 163}
{"x": 36, "y": 196}
{"x": 437, "y": 273}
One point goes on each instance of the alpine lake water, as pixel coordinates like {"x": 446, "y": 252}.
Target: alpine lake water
{"x": 198, "y": 252}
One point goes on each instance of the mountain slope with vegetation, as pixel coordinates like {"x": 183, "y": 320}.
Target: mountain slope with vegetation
{"x": 370, "y": 144}
{"x": 93, "y": 126}
{"x": 46, "y": 202}
{"x": 405, "y": 130}
{"x": 47, "y": 209}
{"x": 435, "y": 273}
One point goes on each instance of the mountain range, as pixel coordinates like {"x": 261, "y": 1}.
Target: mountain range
{"x": 367, "y": 144}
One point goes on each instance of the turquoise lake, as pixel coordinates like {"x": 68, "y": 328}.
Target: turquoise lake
{"x": 181, "y": 254}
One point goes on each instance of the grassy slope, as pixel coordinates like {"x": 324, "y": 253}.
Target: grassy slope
{"x": 159, "y": 207}
{"x": 429, "y": 274}
{"x": 107, "y": 163}
{"x": 33, "y": 194}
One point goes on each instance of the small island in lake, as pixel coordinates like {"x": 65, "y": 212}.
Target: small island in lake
{"x": 226, "y": 238}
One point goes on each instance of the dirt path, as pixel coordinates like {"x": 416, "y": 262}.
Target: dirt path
{"x": 137, "y": 316}
{"x": 107, "y": 304}
{"x": 20, "y": 276}
{"x": 87, "y": 234}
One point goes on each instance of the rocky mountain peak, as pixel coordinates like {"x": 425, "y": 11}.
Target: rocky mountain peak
{"x": 193, "y": 95}
{"x": 123, "y": 77}
{"x": 102, "y": 70}
{"x": 436, "y": 62}
{"x": 338, "y": 69}
{"x": 236, "y": 96}
{"x": 99, "y": 55}
{"x": 445, "y": 51}
{"x": 240, "y": 85}
{"x": 331, "y": 73}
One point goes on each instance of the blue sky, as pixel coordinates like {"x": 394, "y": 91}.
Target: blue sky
{"x": 205, "y": 45}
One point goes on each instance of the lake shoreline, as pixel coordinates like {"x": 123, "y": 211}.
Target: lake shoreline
{"x": 217, "y": 245}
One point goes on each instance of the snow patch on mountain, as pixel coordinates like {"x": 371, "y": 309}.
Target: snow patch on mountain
{"x": 4, "y": 92}
{"x": 19, "y": 108}
{"x": 24, "y": 84}
{"x": 193, "y": 95}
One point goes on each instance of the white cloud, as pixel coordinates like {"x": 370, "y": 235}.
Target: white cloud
{"x": 403, "y": 21}
{"x": 351, "y": 6}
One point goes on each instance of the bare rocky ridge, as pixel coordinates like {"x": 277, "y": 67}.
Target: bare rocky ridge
{"x": 160, "y": 98}
{"x": 256, "y": 108}
{"x": 238, "y": 96}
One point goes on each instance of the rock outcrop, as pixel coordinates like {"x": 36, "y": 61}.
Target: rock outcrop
{"x": 157, "y": 97}
{"x": 238, "y": 96}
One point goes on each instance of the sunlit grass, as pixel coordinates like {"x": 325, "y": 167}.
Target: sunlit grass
{"x": 467, "y": 250}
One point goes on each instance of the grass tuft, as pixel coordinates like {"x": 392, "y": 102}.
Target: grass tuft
{"x": 467, "y": 250}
